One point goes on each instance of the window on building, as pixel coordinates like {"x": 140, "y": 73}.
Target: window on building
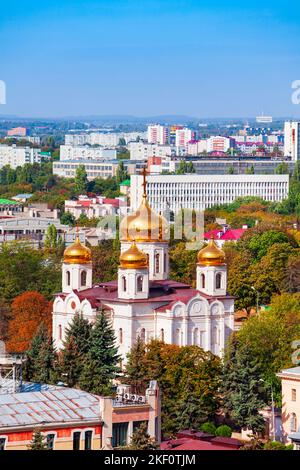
{"x": 50, "y": 441}
{"x": 143, "y": 334}
{"x": 120, "y": 335}
{"x": 195, "y": 337}
{"x": 140, "y": 284}
{"x": 119, "y": 434}
{"x": 157, "y": 263}
{"x": 136, "y": 425}
{"x": 76, "y": 440}
{"x": 2, "y": 443}
{"x": 59, "y": 332}
{"x": 294, "y": 394}
{"x": 162, "y": 334}
{"x": 88, "y": 440}
{"x": 218, "y": 280}
{"x": 124, "y": 284}
{"x": 83, "y": 278}
{"x": 68, "y": 278}
{"x": 202, "y": 281}
{"x": 293, "y": 423}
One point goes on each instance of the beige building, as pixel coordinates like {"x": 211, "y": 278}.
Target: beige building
{"x": 290, "y": 380}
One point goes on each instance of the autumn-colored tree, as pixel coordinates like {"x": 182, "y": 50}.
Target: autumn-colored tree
{"x": 28, "y": 311}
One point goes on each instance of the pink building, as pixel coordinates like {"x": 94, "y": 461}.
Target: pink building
{"x": 290, "y": 383}
{"x": 17, "y": 131}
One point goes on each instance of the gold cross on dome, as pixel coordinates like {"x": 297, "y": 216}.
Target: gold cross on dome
{"x": 144, "y": 173}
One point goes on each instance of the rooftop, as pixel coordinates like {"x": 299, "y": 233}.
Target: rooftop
{"x": 47, "y": 404}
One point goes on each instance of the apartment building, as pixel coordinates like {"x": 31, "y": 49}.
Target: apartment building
{"x": 85, "y": 152}
{"x": 290, "y": 384}
{"x": 292, "y": 139}
{"x": 17, "y": 156}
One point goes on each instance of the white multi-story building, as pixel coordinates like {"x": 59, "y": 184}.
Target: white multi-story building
{"x": 144, "y": 150}
{"x": 17, "y": 156}
{"x": 292, "y": 139}
{"x": 94, "y": 169}
{"x": 158, "y": 134}
{"x": 143, "y": 302}
{"x": 219, "y": 143}
{"x": 85, "y": 152}
{"x": 194, "y": 191}
{"x": 182, "y": 137}
{"x": 196, "y": 147}
{"x": 105, "y": 139}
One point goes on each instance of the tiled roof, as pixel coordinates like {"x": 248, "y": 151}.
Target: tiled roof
{"x": 55, "y": 405}
{"x": 193, "y": 444}
{"x": 230, "y": 234}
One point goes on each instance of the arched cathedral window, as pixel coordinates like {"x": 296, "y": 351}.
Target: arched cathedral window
{"x": 124, "y": 283}
{"x": 68, "y": 274}
{"x": 83, "y": 278}
{"x": 218, "y": 280}
{"x": 140, "y": 283}
{"x": 202, "y": 281}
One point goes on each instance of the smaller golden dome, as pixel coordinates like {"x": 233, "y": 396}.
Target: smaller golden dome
{"x": 211, "y": 255}
{"x": 133, "y": 258}
{"x": 77, "y": 253}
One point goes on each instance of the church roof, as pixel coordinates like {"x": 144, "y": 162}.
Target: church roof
{"x": 165, "y": 293}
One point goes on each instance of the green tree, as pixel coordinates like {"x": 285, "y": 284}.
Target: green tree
{"x": 41, "y": 358}
{"x": 121, "y": 173}
{"x": 75, "y": 349}
{"x": 230, "y": 170}
{"x": 68, "y": 219}
{"x": 224, "y": 431}
{"x": 141, "y": 439}
{"x": 81, "y": 181}
{"x": 101, "y": 363}
{"x": 38, "y": 441}
{"x": 242, "y": 392}
{"x": 136, "y": 367}
{"x": 260, "y": 243}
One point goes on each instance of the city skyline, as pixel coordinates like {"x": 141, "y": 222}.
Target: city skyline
{"x": 180, "y": 57}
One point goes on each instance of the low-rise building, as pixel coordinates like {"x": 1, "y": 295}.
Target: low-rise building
{"x": 71, "y": 419}
{"x": 95, "y": 207}
{"x": 290, "y": 384}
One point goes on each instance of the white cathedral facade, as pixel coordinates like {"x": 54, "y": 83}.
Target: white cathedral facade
{"x": 143, "y": 301}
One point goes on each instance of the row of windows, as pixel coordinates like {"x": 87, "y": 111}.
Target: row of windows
{"x": 50, "y": 440}
{"x": 218, "y": 281}
{"x": 83, "y": 278}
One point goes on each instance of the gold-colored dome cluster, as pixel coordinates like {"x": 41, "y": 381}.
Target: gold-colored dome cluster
{"x": 77, "y": 253}
{"x": 211, "y": 255}
{"x": 144, "y": 225}
{"x": 133, "y": 258}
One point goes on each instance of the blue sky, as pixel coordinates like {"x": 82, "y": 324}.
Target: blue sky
{"x": 149, "y": 57}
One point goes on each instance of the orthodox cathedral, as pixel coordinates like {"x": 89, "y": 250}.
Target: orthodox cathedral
{"x": 143, "y": 301}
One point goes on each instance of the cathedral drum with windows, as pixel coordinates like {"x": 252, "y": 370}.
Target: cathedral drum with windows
{"x": 143, "y": 301}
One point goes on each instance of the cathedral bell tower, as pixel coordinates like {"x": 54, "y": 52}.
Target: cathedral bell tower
{"x": 212, "y": 270}
{"x": 150, "y": 231}
{"x": 133, "y": 274}
{"x": 77, "y": 268}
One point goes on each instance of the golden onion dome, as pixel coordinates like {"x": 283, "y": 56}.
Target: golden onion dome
{"x": 77, "y": 253}
{"x": 211, "y": 255}
{"x": 144, "y": 225}
{"x": 133, "y": 258}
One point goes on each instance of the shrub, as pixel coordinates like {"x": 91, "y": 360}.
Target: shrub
{"x": 224, "y": 431}
{"x": 210, "y": 428}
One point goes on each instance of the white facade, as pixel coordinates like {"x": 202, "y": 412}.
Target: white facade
{"x": 144, "y": 150}
{"x": 70, "y": 152}
{"x": 198, "y": 192}
{"x": 292, "y": 139}
{"x": 94, "y": 169}
{"x": 218, "y": 144}
{"x": 182, "y": 137}
{"x": 18, "y": 156}
{"x": 104, "y": 139}
{"x": 158, "y": 134}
